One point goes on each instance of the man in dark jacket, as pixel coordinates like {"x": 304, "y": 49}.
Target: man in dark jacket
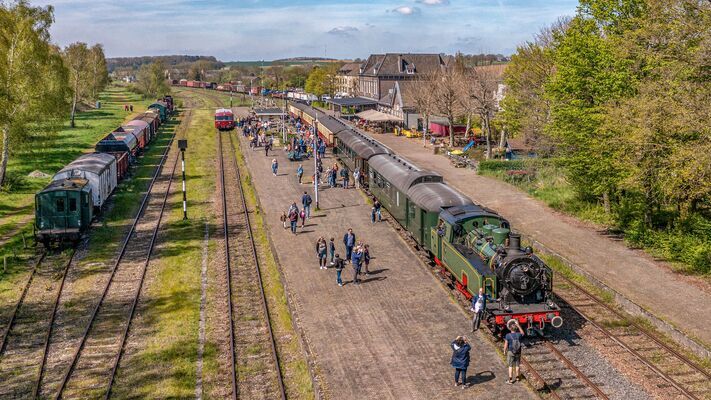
{"x": 339, "y": 265}
{"x": 479, "y": 308}
{"x": 306, "y": 202}
{"x": 460, "y": 359}
{"x": 349, "y": 240}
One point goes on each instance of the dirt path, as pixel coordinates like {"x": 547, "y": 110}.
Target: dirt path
{"x": 387, "y": 338}
{"x": 632, "y": 273}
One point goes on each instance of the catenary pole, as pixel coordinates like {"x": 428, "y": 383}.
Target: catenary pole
{"x": 315, "y": 142}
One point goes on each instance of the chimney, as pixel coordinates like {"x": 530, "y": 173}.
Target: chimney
{"x": 514, "y": 241}
{"x": 399, "y": 63}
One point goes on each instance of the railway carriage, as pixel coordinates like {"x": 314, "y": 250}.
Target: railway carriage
{"x": 297, "y": 109}
{"x": 63, "y": 210}
{"x": 116, "y": 142}
{"x": 329, "y": 127}
{"x": 162, "y": 109}
{"x": 425, "y": 201}
{"x": 142, "y": 127}
{"x": 391, "y": 177}
{"x": 152, "y": 119}
{"x": 355, "y": 149}
{"x": 224, "y": 119}
{"x": 99, "y": 169}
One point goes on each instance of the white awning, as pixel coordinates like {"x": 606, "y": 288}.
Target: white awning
{"x": 377, "y": 116}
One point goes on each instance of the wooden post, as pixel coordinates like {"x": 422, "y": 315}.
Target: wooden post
{"x": 24, "y": 242}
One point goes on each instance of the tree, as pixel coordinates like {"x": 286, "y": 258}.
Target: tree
{"x": 151, "y": 80}
{"x": 76, "y": 58}
{"x": 447, "y": 96}
{"x": 525, "y": 110}
{"x": 481, "y": 85}
{"x": 323, "y": 80}
{"x": 423, "y": 92}
{"x": 33, "y": 80}
{"x": 97, "y": 70}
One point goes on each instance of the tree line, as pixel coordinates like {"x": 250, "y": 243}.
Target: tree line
{"x": 40, "y": 83}
{"x": 620, "y": 94}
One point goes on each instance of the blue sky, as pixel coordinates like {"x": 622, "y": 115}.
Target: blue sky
{"x": 268, "y": 29}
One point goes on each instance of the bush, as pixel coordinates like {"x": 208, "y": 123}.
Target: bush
{"x": 14, "y": 182}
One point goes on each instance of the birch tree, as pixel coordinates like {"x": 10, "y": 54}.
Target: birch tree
{"x": 33, "y": 80}
{"x": 76, "y": 58}
{"x": 482, "y": 84}
{"x": 97, "y": 70}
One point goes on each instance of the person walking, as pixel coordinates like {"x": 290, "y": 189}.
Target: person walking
{"x": 378, "y": 212}
{"x": 275, "y": 166}
{"x": 267, "y": 147}
{"x": 321, "y": 251}
{"x": 512, "y": 349}
{"x": 349, "y": 240}
{"x": 460, "y": 359}
{"x": 366, "y": 258}
{"x": 300, "y": 172}
{"x": 356, "y": 178}
{"x": 356, "y": 262}
{"x": 344, "y": 175}
{"x": 302, "y": 215}
{"x": 293, "y": 218}
{"x": 332, "y": 248}
{"x": 283, "y": 219}
{"x": 306, "y": 202}
{"x": 339, "y": 265}
{"x": 479, "y": 308}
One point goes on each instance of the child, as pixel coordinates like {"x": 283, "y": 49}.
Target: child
{"x": 366, "y": 258}
{"x": 283, "y": 219}
{"x": 302, "y": 214}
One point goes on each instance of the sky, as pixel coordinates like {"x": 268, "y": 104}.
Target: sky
{"x": 247, "y": 30}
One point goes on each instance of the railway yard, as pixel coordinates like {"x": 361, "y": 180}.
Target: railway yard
{"x": 229, "y": 303}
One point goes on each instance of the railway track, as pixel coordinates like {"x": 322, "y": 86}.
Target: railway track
{"x": 81, "y": 351}
{"x": 564, "y": 381}
{"x": 254, "y": 358}
{"x": 25, "y": 340}
{"x": 678, "y": 376}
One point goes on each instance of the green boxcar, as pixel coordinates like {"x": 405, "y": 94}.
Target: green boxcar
{"x": 391, "y": 177}
{"x": 63, "y": 210}
{"x": 162, "y": 110}
{"x": 461, "y": 252}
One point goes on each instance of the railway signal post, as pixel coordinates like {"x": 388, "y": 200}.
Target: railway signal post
{"x": 183, "y": 145}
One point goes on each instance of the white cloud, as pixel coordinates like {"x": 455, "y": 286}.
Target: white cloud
{"x": 433, "y": 2}
{"x": 407, "y": 10}
{"x": 343, "y": 30}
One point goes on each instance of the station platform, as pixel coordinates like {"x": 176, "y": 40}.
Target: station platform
{"x": 389, "y": 337}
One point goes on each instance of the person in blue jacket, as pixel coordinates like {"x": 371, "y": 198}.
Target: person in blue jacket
{"x": 460, "y": 359}
{"x": 479, "y": 308}
{"x": 349, "y": 240}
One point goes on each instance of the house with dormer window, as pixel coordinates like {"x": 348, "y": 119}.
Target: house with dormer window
{"x": 378, "y": 74}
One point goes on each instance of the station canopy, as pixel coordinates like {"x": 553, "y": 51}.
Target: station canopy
{"x": 352, "y": 102}
{"x": 377, "y": 116}
{"x": 269, "y": 112}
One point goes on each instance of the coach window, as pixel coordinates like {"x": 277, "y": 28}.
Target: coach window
{"x": 60, "y": 204}
{"x": 72, "y": 204}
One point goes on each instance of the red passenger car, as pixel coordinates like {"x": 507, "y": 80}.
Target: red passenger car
{"x": 224, "y": 119}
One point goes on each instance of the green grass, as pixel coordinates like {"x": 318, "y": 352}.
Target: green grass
{"x": 165, "y": 364}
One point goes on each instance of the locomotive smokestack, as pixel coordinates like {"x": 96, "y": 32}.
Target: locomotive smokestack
{"x": 514, "y": 241}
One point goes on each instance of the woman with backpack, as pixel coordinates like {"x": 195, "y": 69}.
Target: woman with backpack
{"x": 460, "y": 359}
{"x": 512, "y": 349}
